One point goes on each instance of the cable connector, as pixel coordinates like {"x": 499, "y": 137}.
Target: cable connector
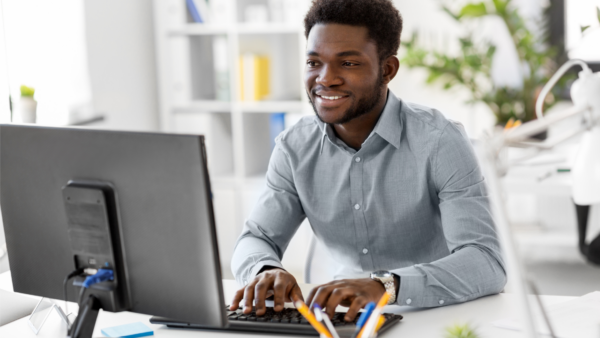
{"x": 101, "y": 276}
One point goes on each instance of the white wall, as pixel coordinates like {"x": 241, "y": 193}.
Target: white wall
{"x": 121, "y": 57}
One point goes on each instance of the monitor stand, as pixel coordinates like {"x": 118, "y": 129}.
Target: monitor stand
{"x": 83, "y": 326}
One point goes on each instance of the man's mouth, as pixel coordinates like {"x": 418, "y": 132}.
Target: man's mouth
{"x": 330, "y": 100}
{"x": 331, "y": 97}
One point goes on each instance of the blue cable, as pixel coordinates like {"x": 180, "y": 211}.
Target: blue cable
{"x": 101, "y": 276}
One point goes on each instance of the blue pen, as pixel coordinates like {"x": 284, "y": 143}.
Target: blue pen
{"x": 364, "y": 316}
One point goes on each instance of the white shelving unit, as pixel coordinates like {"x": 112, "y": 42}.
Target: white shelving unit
{"x": 237, "y": 132}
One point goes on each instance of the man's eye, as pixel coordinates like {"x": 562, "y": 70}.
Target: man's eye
{"x": 348, "y": 64}
{"x": 311, "y": 63}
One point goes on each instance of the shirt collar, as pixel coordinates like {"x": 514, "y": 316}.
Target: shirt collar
{"x": 389, "y": 125}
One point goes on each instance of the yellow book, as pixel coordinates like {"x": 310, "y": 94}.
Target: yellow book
{"x": 254, "y": 73}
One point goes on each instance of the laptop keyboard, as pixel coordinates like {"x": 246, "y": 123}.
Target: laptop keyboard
{"x": 290, "y": 316}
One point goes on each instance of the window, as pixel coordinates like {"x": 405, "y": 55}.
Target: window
{"x": 580, "y": 13}
{"x": 43, "y": 46}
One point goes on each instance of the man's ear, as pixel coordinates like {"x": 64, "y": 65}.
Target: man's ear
{"x": 390, "y": 68}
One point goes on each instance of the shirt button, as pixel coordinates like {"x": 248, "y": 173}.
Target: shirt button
{"x": 408, "y": 301}
{"x": 441, "y": 302}
{"x": 356, "y": 206}
{"x": 365, "y": 251}
{"x": 357, "y": 159}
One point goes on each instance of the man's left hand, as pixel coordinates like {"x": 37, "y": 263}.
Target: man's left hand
{"x": 352, "y": 293}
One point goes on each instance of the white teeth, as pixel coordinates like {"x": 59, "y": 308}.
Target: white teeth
{"x": 331, "y": 97}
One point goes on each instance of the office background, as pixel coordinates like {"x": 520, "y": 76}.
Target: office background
{"x": 146, "y": 65}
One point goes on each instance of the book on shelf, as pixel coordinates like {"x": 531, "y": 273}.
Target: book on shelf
{"x": 198, "y": 10}
{"x": 254, "y": 73}
{"x": 276, "y": 126}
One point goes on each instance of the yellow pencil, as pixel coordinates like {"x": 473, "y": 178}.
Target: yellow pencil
{"x": 371, "y": 324}
{"x": 303, "y": 309}
{"x": 383, "y": 301}
{"x": 379, "y": 323}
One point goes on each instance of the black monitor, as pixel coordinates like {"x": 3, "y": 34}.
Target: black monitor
{"x": 154, "y": 190}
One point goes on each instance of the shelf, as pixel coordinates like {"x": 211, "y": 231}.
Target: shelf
{"x": 267, "y": 28}
{"x": 213, "y": 106}
{"x": 241, "y": 28}
{"x": 197, "y": 64}
{"x": 204, "y": 106}
{"x": 199, "y": 29}
{"x": 294, "y": 106}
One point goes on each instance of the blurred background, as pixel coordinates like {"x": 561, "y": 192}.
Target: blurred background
{"x": 232, "y": 70}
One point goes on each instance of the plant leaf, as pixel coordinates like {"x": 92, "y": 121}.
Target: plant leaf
{"x": 473, "y": 10}
{"x": 598, "y": 13}
{"x": 500, "y": 6}
{"x": 27, "y": 91}
{"x": 450, "y": 12}
{"x": 583, "y": 28}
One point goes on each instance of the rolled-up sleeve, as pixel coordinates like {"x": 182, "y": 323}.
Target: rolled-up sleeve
{"x": 272, "y": 223}
{"x": 475, "y": 267}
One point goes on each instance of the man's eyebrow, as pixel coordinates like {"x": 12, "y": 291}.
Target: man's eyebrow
{"x": 349, "y": 53}
{"x": 340, "y": 54}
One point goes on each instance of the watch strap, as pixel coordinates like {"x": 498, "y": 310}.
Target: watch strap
{"x": 390, "y": 287}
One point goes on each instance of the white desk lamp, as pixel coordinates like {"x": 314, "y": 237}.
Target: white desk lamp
{"x": 585, "y": 94}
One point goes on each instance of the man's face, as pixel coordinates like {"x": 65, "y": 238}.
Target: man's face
{"x": 343, "y": 77}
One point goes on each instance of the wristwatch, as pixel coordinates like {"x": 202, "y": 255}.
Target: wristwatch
{"x": 387, "y": 279}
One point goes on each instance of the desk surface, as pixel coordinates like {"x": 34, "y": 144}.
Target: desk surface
{"x": 417, "y": 322}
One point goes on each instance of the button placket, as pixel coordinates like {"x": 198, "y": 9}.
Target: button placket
{"x": 356, "y": 186}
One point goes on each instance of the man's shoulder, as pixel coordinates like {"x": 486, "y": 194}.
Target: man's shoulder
{"x": 303, "y": 132}
{"x": 418, "y": 116}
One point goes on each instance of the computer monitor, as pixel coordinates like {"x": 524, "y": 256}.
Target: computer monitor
{"x": 163, "y": 197}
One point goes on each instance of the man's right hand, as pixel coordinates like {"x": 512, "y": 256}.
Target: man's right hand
{"x": 275, "y": 281}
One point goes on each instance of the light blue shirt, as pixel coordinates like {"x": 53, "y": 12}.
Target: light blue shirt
{"x": 412, "y": 201}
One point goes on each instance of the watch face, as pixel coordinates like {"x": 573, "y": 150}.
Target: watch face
{"x": 381, "y": 274}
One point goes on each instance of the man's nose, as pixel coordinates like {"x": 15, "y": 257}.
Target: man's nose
{"x": 328, "y": 77}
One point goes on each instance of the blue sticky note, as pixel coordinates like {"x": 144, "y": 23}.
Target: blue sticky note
{"x": 128, "y": 331}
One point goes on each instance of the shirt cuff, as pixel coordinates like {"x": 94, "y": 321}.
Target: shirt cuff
{"x": 413, "y": 289}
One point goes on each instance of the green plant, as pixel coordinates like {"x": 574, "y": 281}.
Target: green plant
{"x": 584, "y": 28}
{"x": 471, "y": 69}
{"x": 460, "y": 331}
{"x": 27, "y": 91}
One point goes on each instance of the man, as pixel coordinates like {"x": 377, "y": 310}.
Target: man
{"x": 392, "y": 189}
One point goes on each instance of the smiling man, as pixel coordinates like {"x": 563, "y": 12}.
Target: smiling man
{"x": 392, "y": 189}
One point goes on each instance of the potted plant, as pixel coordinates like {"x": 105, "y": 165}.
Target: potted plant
{"x": 27, "y": 105}
{"x": 460, "y": 331}
{"x": 471, "y": 68}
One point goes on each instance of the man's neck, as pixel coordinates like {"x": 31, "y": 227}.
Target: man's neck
{"x": 355, "y": 132}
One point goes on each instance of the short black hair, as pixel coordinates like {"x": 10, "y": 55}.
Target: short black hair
{"x": 381, "y": 18}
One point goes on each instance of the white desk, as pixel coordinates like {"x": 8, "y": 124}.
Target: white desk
{"x": 416, "y": 323}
